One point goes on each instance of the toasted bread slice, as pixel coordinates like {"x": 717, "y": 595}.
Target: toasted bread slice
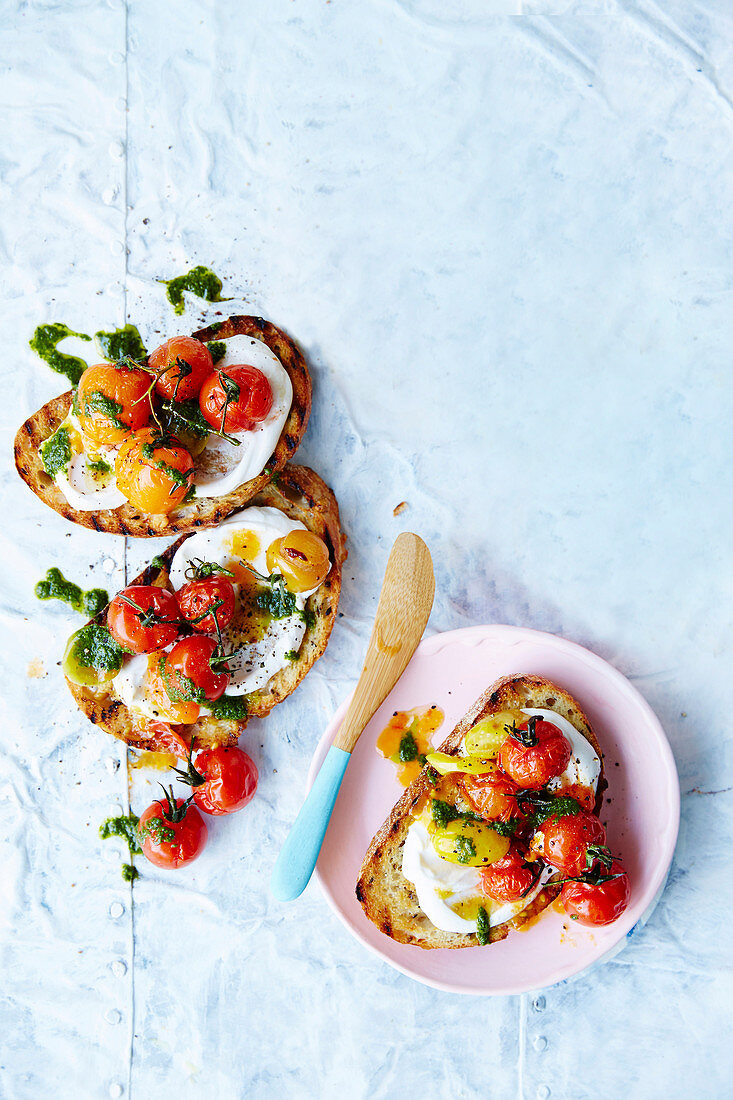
{"x": 204, "y": 512}
{"x": 387, "y": 897}
{"x": 301, "y": 495}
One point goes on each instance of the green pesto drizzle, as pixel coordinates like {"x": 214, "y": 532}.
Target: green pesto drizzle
{"x": 56, "y": 587}
{"x": 200, "y": 281}
{"x": 218, "y": 350}
{"x": 44, "y": 341}
{"x": 56, "y": 451}
{"x": 121, "y": 343}
{"x": 229, "y": 707}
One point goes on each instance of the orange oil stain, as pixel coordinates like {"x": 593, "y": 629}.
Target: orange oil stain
{"x": 245, "y": 545}
{"x": 35, "y": 669}
{"x": 421, "y": 723}
{"x": 158, "y": 760}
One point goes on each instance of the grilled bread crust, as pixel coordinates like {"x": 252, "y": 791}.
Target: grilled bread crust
{"x": 301, "y": 494}
{"x": 387, "y": 897}
{"x": 198, "y": 513}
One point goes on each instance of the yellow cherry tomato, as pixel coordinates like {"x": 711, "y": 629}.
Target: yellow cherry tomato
{"x": 302, "y": 558}
{"x": 470, "y": 843}
{"x": 488, "y": 735}
{"x": 112, "y": 401}
{"x": 155, "y": 473}
{"x": 473, "y": 765}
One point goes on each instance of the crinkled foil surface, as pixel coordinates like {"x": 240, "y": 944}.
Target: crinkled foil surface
{"x": 504, "y": 245}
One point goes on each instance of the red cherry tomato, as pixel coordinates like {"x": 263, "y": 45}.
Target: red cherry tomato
{"x": 563, "y": 842}
{"x": 494, "y": 795}
{"x": 188, "y": 673}
{"x": 181, "y": 365}
{"x": 197, "y": 598}
{"x": 598, "y": 903}
{"x": 537, "y": 752}
{"x": 160, "y": 737}
{"x": 235, "y": 399}
{"x": 230, "y": 780}
{"x": 586, "y": 796}
{"x": 143, "y": 618}
{"x": 172, "y": 837}
{"x": 509, "y": 878}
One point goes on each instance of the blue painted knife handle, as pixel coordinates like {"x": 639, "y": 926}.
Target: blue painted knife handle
{"x": 294, "y": 865}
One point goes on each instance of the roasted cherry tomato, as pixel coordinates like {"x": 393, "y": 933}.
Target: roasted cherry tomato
{"x": 172, "y": 832}
{"x": 154, "y": 472}
{"x": 601, "y": 901}
{"x": 223, "y": 780}
{"x": 162, "y": 738}
{"x": 509, "y": 878}
{"x": 143, "y": 618}
{"x": 567, "y": 843}
{"x": 191, "y": 672}
{"x": 112, "y": 401}
{"x": 534, "y": 753}
{"x": 493, "y": 795}
{"x": 235, "y": 399}
{"x": 182, "y": 713}
{"x": 207, "y": 603}
{"x": 181, "y": 365}
{"x": 586, "y": 796}
{"x": 302, "y": 558}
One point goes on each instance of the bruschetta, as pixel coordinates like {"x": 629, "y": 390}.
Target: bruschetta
{"x": 173, "y": 441}
{"x": 502, "y": 818}
{"x": 220, "y": 628}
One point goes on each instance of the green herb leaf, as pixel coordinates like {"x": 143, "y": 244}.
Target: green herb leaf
{"x": 129, "y": 872}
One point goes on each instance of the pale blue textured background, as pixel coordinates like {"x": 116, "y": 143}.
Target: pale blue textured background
{"x": 505, "y": 247}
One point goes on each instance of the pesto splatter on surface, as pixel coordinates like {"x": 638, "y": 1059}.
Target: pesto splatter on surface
{"x": 44, "y": 341}
{"x": 55, "y": 586}
{"x": 121, "y": 343}
{"x": 200, "y": 281}
{"x": 125, "y": 827}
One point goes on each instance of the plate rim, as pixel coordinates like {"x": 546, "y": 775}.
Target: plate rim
{"x": 479, "y": 633}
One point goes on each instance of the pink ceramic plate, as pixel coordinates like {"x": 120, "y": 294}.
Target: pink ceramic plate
{"x": 641, "y": 811}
